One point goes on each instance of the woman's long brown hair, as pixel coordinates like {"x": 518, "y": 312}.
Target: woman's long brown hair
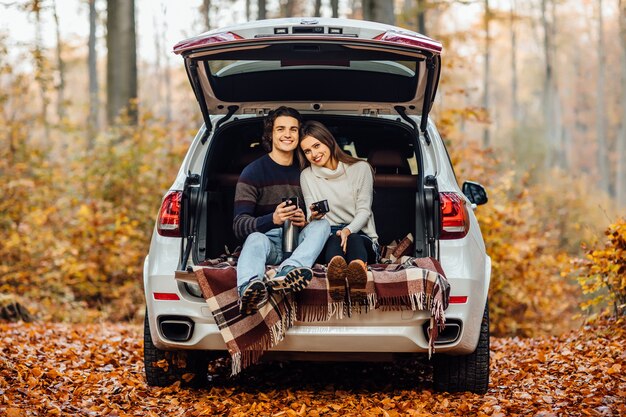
{"x": 321, "y": 133}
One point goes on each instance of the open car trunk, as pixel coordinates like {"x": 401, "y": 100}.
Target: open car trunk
{"x": 401, "y": 204}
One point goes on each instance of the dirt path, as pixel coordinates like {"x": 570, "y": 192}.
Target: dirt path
{"x": 95, "y": 370}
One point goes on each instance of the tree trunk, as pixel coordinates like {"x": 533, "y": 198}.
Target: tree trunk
{"x": 620, "y": 180}
{"x": 287, "y": 8}
{"x": 602, "y": 154}
{"x": 486, "y": 74}
{"x": 262, "y": 12}
{"x": 378, "y": 11}
{"x": 41, "y": 73}
{"x": 93, "y": 125}
{"x": 248, "y": 15}
{"x": 557, "y": 126}
{"x": 121, "y": 60}
{"x": 514, "y": 101}
{"x": 166, "y": 71}
{"x": 205, "y": 10}
{"x": 317, "y": 8}
{"x": 551, "y": 110}
{"x": 421, "y": 16}
{"x": 60, "y": 66}
{"x": 158, "y": 79}
{"x": 334, "y": 5}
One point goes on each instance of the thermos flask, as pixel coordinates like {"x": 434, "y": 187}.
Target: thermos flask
{"x": 290, "y": 238}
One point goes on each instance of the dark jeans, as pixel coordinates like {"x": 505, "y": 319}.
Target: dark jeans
{"x": 359, "y": 247}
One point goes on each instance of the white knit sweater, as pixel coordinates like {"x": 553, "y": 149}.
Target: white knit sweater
{"x": 349, "y": 190}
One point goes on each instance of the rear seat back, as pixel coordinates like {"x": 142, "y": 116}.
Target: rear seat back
{"x": 220, "y": 201}
{"x": 393, "y": 204}
{"x": 394, "y": 194}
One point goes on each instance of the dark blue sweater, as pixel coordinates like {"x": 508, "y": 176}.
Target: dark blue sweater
{"x": 261, "y": 187}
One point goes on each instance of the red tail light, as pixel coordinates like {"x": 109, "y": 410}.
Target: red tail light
{"x": 204, "y": 40}
{"x": 168, "y": 296}
{"x": 169, "y": 215}
{"x": 454, "y": 217}
{"x": 416, "y": 39}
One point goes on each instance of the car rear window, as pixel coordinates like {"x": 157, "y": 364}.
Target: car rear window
{"x": 226, "y": 68}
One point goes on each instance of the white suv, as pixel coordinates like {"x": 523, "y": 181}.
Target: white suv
{"x": 373, "y": 86}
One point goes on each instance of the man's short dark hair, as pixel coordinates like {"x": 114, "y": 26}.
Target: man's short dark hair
{"x": 268, "y": 124}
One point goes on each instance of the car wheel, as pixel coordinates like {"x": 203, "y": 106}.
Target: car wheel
{"x": 466, "y": 372}
{"x": 163, "y": 367}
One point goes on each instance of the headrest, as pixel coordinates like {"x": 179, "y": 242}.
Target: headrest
{"x": 388, "y": 161}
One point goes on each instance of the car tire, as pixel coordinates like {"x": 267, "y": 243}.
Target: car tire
{"x": 466, "y": 372}
{"x": 164, "y": 367}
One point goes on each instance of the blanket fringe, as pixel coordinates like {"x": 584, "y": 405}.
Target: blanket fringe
{"x": 252, "y": 354}
{"x": 372, "y": 300}
{"x": 336, "y": 309}
{"x": 310, "y": 313}
{"x": 235, "y": 361}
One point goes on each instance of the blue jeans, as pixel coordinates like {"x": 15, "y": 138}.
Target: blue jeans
{"x": 260, "y": 249}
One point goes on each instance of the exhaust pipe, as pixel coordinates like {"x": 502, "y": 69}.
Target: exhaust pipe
{"x": 449, "y": 335}
{"x": 175, "y": 328}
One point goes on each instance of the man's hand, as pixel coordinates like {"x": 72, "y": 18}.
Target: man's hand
{"x": 298, "y": 219}
{"x": 282, "y": 213}
{"x": 343, "y": 234}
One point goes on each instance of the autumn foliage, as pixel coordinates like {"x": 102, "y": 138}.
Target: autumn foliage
{"x": 76, "y": 220}
{"x": 533, "y": 227}
{"x": 603, "y": 272}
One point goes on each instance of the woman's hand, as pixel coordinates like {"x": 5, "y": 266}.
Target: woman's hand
{"x": 343, "y": 234}
{"x": 282, "y": 213}
{"x": 315, "y": 215}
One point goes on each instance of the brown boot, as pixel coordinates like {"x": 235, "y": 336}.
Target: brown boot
{"x": 336, "y": 275}
{"x": 356, "y": 275}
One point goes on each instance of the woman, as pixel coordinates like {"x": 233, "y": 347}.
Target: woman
{"x": 347, "y": 184}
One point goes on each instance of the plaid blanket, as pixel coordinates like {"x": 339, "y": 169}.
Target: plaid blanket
{"x": 411, "y": 284}
{"x": 246, "y": 337}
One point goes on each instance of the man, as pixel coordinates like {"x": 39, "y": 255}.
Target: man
{"x": 260, "y": 213}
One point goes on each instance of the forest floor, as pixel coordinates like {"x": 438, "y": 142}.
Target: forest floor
{"x": 94, "y": 370}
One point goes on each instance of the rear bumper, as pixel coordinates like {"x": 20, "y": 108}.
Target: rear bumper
{"x": 374, "y": 332}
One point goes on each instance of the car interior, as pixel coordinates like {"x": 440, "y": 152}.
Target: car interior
{"x": 387, "y": 145}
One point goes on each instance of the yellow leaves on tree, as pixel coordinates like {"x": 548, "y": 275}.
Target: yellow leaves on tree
{"x": 531, "y": 229}
{"x": 604, "y": 270}
{"x": 76, "y": 227}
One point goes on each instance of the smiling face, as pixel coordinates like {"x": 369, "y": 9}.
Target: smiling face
{"x": 317, "y": 153}
{"x": 285, "y": 134}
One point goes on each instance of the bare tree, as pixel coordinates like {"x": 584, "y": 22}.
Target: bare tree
{"x": 205, "y": 11}
{"x": 317, "y": 8}
{"x": 486, "y": 74}
{"x": 166, "y": 69}
{"x": 158, "y": 79}
{"x": 378, "y": 11}
{"x": 287, "y": 8}
{"x": 602, "y": 154}
{"x": 248, "y": 15}
{"x": 334, "y": 5}
{"x": 60, "y": 65}
{"x": 551, "y": 104}
{"x": 513, "y": 32}
{"x": 41, "y": 68}
{"x": 421, "y": 16}
{"x": 262, "y": 12}
{"x": 620, "y": 180}
{"x": 94, "y": 106}
{"x": 121, "y": 59}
